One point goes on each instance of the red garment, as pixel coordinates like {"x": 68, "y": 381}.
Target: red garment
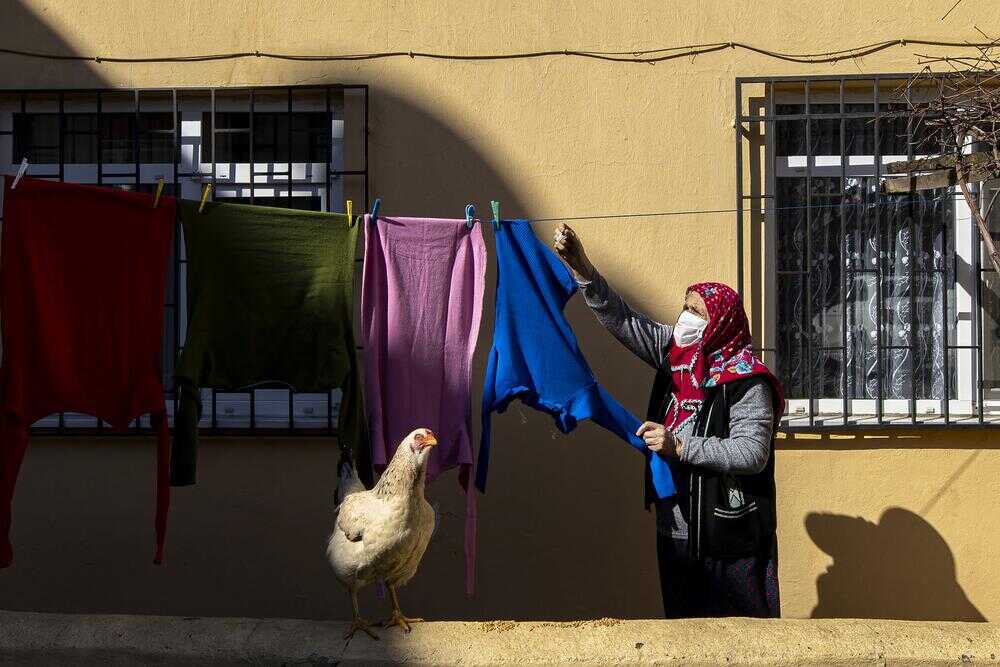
{"x": 686, "y": 393}
{"x": 723, "y": 354}
{"x": 82, "y": 285}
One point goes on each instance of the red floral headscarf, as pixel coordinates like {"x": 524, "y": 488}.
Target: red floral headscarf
{"x": 723, "y": 354}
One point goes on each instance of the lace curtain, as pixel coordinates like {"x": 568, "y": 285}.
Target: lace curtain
{"x": 833, "y": 241}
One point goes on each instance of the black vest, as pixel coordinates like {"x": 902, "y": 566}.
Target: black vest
{"x": 728, "y": 516}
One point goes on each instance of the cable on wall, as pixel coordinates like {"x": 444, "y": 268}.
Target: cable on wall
{"x": 649, "y": 56}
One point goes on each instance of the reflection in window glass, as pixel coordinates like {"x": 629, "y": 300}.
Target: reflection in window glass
{"x": 307, "y": 140}
{"x": 37, "y": 137}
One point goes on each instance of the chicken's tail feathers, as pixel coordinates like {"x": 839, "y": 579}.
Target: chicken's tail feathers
{"x": 349, "y": 483}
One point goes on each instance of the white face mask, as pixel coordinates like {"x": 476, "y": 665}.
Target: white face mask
{"x": 689, "y": 328}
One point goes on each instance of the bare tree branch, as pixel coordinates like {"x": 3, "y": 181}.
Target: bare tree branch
{"x": 993, "y": 200}
{"x": 954, "y": 118}
{"x": 957, "y": 3}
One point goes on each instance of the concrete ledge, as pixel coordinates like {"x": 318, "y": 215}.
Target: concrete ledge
{"x": 58, "y": 639}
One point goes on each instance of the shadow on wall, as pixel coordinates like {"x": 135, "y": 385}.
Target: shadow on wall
{"x": 562, "y": 516}
{"x": 900, "y": 568}
{"x": 22, "y": 29}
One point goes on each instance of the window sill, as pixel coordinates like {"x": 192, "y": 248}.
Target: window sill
{"x": 826, "y": 422}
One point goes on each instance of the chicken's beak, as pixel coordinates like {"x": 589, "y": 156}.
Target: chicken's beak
{"x": 429, "y": 441}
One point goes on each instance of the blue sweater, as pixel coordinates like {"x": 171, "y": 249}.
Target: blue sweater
{"x": 535, "y": 356}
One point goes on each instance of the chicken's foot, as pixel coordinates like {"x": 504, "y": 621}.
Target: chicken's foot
{"x": 402, "y": 621}
{"x": 358, "y": 623}
{"x": 398, "y": 617}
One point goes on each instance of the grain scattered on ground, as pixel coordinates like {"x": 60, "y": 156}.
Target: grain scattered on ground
{"x": 497, "y": 626}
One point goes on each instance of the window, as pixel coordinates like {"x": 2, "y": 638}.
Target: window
{"x": 130, "y": 139}
{"x": 36, "y": 137}
{"x": 80, "y": 138}
{"x": 874, "y": 309}
{"x": 304, "y": 135}
{"x": 117, "y": 138}
{"x": 301, "y": 203}
{"x": 156, "y": 143}
{"x": 232, "y": 136}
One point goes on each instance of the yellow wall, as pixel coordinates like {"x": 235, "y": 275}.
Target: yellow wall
{"x": 562, "y": 531}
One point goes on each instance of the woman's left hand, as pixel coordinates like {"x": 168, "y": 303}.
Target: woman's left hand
{"x": 658, "y": 439}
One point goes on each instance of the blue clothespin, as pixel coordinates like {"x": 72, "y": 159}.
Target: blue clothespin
{"x": 470, "y": 216}
{"x": 495, "y": 205}
{"x": 374, "y": 216}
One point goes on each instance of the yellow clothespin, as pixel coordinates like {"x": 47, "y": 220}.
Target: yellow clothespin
{"x": 204, "y": 197}
{"x": 350, "y": 213}
{"x": 159, "y": 191}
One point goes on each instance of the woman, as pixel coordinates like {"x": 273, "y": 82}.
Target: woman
{"x": 712, "y": 415}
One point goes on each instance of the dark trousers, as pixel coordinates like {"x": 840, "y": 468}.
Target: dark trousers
{"x": 712, "y": 587}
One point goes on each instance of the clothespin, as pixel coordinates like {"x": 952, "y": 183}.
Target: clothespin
{"x": 470, "y": 215}
{"x": 374, "y": 216}
{"x": 495, "y": 205}
{"x": 350, "y": 213}
{"x": 159, "y": 191}
{"x": 204, "y": 197}
{"x": 20, "y": 172}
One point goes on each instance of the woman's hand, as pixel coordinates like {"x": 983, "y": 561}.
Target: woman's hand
{"x": 658, "y": 439}
{"x": 567, "y": 244}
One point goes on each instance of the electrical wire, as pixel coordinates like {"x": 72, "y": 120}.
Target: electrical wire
{"x": 647, "y": 56}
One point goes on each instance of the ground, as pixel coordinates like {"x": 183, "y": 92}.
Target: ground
{"x": 32, "y": 638}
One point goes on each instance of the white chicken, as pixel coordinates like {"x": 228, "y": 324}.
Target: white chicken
{"x": 382, "y": 534}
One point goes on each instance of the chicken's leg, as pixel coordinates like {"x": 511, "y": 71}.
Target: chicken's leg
{"x": 397, "y": 615}
{"x": 358, "y": 623}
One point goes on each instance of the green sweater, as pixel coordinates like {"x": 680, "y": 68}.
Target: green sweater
{"x": 270, "y": 302}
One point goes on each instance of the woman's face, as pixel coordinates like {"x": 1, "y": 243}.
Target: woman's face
{"x": 695, "y": 304}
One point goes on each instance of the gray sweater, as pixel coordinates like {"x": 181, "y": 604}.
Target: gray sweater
{"x": 744, "y": 452}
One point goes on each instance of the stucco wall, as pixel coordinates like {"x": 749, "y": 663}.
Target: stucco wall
{"x": 908, "y": 517}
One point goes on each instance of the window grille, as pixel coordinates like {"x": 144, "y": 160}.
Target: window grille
{"x": 874, "y": 309}
{"x": 300, "y": 147}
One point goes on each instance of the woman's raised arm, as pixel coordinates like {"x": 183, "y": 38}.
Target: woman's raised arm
{"x": 646, "y": 338}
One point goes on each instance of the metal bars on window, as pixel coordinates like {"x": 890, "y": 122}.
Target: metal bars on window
{"x": 323, "y": 162}
{"x": 876, "y": 310}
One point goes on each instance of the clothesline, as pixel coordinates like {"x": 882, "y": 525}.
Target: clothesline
{"x": 749, "y": 209}
{"x": 776, "y": 209}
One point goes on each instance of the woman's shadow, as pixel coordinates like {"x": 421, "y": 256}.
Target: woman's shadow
{"x": 899, "y": 568}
